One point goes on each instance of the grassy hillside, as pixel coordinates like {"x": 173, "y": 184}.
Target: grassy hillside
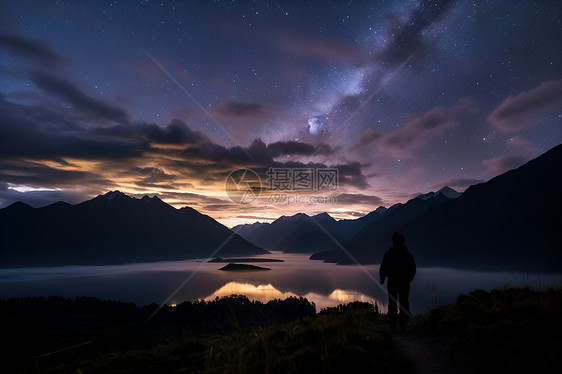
{"x": 505, "y": 330}
{"x": 227, "y": 335}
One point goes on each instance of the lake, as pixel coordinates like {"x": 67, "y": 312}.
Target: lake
{"x": 172, "y": 282}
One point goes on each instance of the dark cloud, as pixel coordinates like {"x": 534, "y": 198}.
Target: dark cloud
{"x": 38, "y": 133}
{"x": 36, "y": 50}
{"x": 366, "y": 137}
{"x": 515, "y": 113}
{"x": 44, "y": 147}
{"x": 177, "y": 132}
{"x": 237, "y": 110}
{"x": 236, "y": 156}
{"x": 152, "y": 177}
{"x": 38, "y": 176}
{"x": 292, "y": 147}
{"x": 351, "y": 174}
{"x": 405, "y": 140}
{"x": 71, "y": 93}
{"x": 499, "y": 165}
{"x": 352, "y": 199}
{"x": 408, "y": 36}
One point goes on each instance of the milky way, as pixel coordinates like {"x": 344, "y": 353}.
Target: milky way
{"x": 168, "y": 97}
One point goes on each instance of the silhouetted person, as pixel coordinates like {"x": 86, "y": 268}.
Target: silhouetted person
{"x": 400, "y": 268}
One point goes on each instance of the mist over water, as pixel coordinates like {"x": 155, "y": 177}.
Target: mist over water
{"x": 324, "y": 284}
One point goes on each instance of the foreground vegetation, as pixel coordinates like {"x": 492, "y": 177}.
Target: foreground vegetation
{"x": 502, "y": 330}
{"x": 227, "y": 335}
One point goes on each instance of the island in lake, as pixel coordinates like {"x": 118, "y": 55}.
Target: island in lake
{"x": 240, "y": 260}
{"x": 243, "y": 267}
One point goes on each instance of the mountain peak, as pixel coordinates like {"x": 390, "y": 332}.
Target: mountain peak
{"x": 449, "y": 192}
{"x": 446, "y": 191}
{"x": 18, "y": 205}
{"x": 294, "y": 217}
{"x": 324, "y": 217}
{"x": 113, "y": 194}
{"x": 108, "y": 198}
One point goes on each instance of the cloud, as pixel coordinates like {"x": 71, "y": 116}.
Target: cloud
{"x": 38, "y": 176}
{"x": 515, "y": 113}
{"x": 499, "y": 165}
{"x": 47, "y": 148}
{"x": 239, "y": 110}
{"x": 359, "y": 199}
{"x": 34, "y": 132}
{"x": 71, "y": 93}
{"x": 258, "y": 218}
{"x": 177, "y": 132}
{"x": 351, "y": 174}
{"x": 38, "y": 51}
{"x": 292, "y": 147}
{"x": 404, "y": 141}
{"x": 367, "y": 137}
{"x": 189, "y": 199}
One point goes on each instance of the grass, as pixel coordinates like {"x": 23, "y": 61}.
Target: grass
{"x": 333, "y": 342}
{"x": 504, "y": 330}
{"x": 227, "y": 335}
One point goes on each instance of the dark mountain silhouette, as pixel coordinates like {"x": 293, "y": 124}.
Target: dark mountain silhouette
{"x": 300, "y": 233}
{"x": 111, "y": 228}
{"x": 395, "y": 216}
{"x": 512, "y": 222}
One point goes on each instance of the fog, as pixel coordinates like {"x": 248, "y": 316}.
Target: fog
{"x": 324, "y": 284}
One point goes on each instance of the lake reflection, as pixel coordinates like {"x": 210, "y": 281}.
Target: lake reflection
{"x": 324, "y": 284}
{"x": 266, "y": 292}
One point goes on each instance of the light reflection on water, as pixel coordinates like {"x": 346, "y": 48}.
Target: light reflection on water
{"x": 266, "y": 292}
{"x": 324, "y": 284}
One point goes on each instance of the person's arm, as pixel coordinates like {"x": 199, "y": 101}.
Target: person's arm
{"x": 383, "y": 269}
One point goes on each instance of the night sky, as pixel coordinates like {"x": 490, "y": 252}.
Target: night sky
{"x": 164, "y": 97}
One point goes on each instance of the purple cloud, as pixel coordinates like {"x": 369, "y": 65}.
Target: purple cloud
{"x": 499, "y": 165}
{"x": 515, "y": 113}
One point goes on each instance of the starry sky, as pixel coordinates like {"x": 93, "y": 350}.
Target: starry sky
{"x": 168, "y": 97}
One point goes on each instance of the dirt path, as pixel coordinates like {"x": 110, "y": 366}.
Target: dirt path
{"x": 426, "y": 354}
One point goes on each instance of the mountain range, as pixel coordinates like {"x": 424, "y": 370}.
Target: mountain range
{"x": 112, "y": 228}
{"x": 511, "y": 222}
{"x": 301, "y": 233}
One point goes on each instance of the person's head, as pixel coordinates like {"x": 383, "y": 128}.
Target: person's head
{"x": 398, "y": 239}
